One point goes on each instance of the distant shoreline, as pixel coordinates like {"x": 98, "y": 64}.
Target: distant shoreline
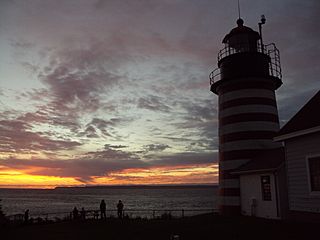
{"x": 144, "y": 186}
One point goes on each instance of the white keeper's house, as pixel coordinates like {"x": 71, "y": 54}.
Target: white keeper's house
{"x": 301, "y": 138}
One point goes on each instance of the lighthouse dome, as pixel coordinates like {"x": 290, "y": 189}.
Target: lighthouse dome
{"x": 241, "y": 35}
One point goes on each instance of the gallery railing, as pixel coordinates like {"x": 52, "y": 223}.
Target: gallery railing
{"x": 270, "y": 50}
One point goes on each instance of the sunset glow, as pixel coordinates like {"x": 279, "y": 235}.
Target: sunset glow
{"x": 17, "y": 179}
{"x": 163, "y": 175}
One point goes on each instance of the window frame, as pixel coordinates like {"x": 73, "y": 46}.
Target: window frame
{"x": 308, "y": 157}
{"x": 263, "y": 196}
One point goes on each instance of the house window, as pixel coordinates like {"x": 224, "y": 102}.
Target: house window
{"x": 314, "y": 173}
{"x": 266, "y": 188}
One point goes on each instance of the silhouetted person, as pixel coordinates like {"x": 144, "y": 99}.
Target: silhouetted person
{"x": 83, "y": 214}
{"x": 120, "y": 209}
{"x": 75, "y": 213}
{"x": 26, "y": 216}
{"x": 103, "y": 209}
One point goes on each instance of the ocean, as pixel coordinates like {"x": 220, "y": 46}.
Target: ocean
{"x": 138, "y": 200}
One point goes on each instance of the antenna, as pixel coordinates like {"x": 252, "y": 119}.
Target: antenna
{"x": 262, "y": 21}
{"x": 239, "y": 9}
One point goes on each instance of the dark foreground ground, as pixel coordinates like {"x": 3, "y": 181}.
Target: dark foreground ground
{"x": 201, "y": 227}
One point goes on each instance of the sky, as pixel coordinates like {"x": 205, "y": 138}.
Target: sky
{"x": 100, "y": 92}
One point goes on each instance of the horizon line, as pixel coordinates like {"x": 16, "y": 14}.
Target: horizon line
{"x": 52, "y": 187}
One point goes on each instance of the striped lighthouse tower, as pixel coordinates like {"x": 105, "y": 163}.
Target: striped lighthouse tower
{"x": 245, "y": 81}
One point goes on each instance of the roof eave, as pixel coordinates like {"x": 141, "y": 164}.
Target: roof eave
{"x": 274, "y": 169}
{"x": 296, "y": 134}
{"x": 255, "y": 171}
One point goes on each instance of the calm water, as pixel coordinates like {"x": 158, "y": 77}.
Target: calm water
{"x": 63, "y": 200}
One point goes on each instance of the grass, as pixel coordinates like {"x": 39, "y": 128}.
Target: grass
{"x": 202, "y": 227}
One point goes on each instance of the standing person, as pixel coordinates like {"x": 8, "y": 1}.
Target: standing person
{"x": 75, "y": 213}
{"x": 103, "y": 209}
{"x": 26, "y": 216}
{"x": 120, "y": 209}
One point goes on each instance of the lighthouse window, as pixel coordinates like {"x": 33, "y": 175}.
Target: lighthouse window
{"x": 266, "y": 188}
{"x": 314, "y": 173}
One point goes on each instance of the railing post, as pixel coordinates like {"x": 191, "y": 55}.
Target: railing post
{"x": 182, "y": 213}
{"x": 154, "y": 214}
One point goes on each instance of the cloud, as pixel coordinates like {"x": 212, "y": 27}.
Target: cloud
{"x": 81, "y": 169}
{"x": 103, "y": 126}
{"x": 155, "y": 147}
{"x": 33, "y": 117}
{"x": 21, "y": 44}
{"x": 184, "y": 158}
{"x": 77, "y": 82}
{"x": 200, "y": 111}
{"x": 33, "y": 68}
{"x": 108, "y": 146}
{"x": 37, "y": 94}
{"x": 73, "y": 87}
{"x": 104, "y": 163}
{"x": 90, "y": 132}
{"x": 16, "y": 137}
{"x": 153, "y": 103}
{"x": 98, "y": 127}
{"x": 200, "y": 117}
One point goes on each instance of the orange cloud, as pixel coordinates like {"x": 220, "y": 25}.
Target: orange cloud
{"x": 158, "y": 175}
{"x": 13, "y": 178}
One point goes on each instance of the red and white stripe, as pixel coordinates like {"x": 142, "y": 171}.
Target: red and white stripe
{"x": 248, "y": 120}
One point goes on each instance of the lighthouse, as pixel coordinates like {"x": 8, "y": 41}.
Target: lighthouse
{"x": 245, "y": 81}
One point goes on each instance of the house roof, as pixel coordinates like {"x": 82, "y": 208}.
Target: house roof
{"x": 268, "y": 160}
{"x": 306, "y": 119}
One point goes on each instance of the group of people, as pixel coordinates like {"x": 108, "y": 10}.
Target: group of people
{"x": 103, "y": 210}
{"x": 79, "y": 215}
